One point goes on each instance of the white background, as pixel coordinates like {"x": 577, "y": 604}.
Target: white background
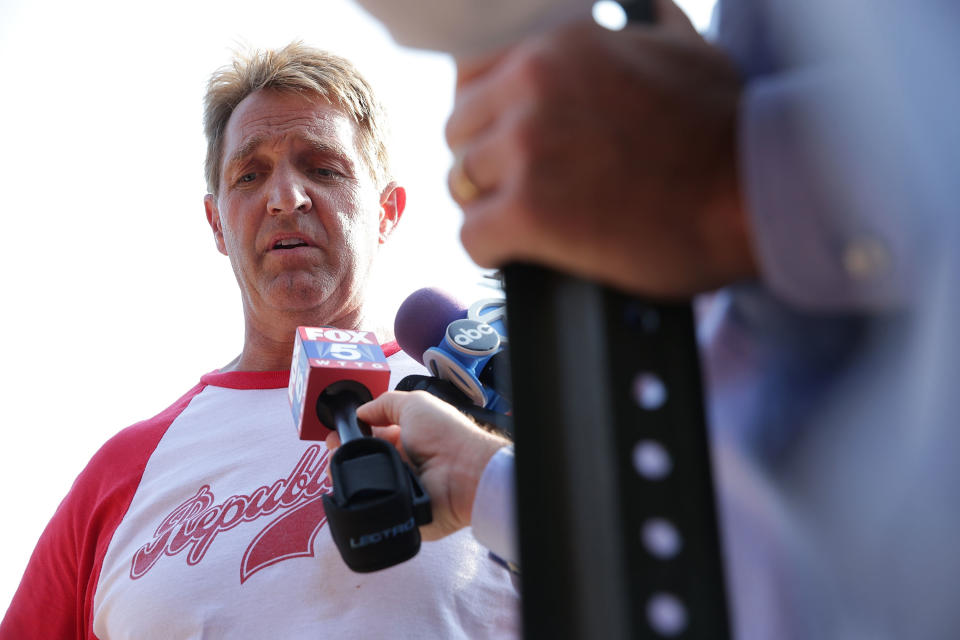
{"x": 115, "y": 299}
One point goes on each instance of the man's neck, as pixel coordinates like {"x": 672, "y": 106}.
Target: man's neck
{"x": 268, "y": 346}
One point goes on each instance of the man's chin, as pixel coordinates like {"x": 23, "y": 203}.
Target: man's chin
{"x": 301, "y": 295}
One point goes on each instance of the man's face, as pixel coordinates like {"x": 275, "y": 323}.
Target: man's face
{"x": 298, "y": 212}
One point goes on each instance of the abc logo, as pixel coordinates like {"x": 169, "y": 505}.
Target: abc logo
{"x": 473, "y": 337}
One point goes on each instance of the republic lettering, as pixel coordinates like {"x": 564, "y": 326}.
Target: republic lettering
{"x": 195, "y": 523}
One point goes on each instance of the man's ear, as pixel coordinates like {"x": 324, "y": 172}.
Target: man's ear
{"x": 393, "y": 200}
{"x": 213, "y": 219}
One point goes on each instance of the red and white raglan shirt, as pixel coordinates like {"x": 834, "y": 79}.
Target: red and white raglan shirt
{"x": 206, "y": 521}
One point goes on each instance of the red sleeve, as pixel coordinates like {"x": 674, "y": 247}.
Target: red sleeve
{"x": 55, "y": 597}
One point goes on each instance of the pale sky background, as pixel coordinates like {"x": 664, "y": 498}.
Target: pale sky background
{"x": 115, "y": 298}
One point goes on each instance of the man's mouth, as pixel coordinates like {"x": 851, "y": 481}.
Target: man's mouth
{"x": 290, "y": 243}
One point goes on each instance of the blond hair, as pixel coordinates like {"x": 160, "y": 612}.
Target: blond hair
{"x": 296, "y": 68}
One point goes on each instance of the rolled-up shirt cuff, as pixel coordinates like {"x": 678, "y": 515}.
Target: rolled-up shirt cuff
{"x": 493, "y": 519}
{"x": 829, "y": 218}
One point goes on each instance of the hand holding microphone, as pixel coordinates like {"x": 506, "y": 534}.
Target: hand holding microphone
{"x": 448, "y": 451}
{"x": 426, "y": 418}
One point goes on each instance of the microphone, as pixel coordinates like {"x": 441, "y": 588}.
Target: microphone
{"x": 465, "y": 346}
{"x": 377, "y": 503}
{"x": 423, "y": 317}
{"x": 347, "y": 367}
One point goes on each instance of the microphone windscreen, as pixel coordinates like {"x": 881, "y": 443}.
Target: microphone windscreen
{"x": 422, "y": 320}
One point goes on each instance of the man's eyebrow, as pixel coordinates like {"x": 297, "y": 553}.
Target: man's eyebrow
{"x": 327, "y": 148}
{"x": 244, "y": 151}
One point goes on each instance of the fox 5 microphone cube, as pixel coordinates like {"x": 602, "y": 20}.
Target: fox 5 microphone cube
{"x": 323, "y": 356}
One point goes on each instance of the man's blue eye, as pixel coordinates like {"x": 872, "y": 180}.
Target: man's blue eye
{"x": 248, "y": 177}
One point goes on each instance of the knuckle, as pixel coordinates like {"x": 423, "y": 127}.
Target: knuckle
{"x": 539, "y": 70}
{"x": 451, "y": 130}
{"x": 526, "y": 136}
{"x": 419, "y": 396}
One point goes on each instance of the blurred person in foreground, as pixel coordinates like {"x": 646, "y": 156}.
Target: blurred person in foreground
{"x": 206, "y": 520}
{"x": 799, "y": 170}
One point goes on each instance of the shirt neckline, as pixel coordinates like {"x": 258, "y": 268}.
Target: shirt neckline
{"x": 266, "y": 379}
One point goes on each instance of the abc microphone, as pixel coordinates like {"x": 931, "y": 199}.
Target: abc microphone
{"x": 466, "y": 347}
{"x": 377, "y": 503}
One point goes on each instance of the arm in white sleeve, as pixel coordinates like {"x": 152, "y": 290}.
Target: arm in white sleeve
{"x": 494, "y": 512}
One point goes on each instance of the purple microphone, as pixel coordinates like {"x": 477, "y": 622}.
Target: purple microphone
{"x": 423, "y": 318}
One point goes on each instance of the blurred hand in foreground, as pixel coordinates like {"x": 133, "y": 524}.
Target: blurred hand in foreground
{"x": 611, "y": 154}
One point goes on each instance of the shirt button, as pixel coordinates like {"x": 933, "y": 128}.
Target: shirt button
{"x": 865, "y": 257}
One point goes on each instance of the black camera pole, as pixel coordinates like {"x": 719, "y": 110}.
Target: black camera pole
{"x": 618, "y": 526}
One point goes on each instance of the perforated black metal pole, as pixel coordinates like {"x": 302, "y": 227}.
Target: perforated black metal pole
{"x": 618, "y": 527}
{"x": 618, "y": 531}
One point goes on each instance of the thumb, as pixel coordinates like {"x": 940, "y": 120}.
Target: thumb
{"x": 333, "y": 440}
{"x": 383, "y": 410}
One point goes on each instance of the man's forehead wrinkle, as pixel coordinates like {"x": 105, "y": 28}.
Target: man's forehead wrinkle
{"x": 276, "y": 127}
{"x": 282, "y": 121}
{"x": 314, "y": 142}
{"x": 284, "y": 117}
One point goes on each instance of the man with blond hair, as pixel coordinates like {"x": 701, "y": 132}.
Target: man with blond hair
{"x": 206, "y": 520}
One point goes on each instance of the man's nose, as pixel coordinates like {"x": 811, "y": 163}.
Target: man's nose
{"x": 287, "y": 194}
